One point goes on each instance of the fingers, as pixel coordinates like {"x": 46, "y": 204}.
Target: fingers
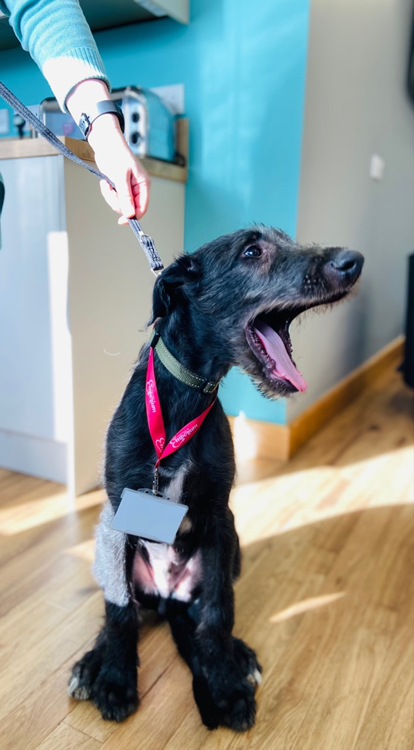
{"x": 140, "y": 184}
{"x": 130, "y": 200}
{"x": 110, "y": 195}
{"x": 115, "y": 159}
{"x": 142, "y": 199}
{"x": 131, "y": 196}
{"x": 125, "y": 196}
{"x": 122, "y": 204}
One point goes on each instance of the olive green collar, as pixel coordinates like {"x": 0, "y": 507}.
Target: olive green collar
{"x": 177, "y": 369}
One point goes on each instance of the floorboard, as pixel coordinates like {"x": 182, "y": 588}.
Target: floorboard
{"x": 325, "y": 597}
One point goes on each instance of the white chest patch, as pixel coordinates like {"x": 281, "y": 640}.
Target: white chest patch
{"x": 174, "y": 488}
{"x": 163, "y": 573}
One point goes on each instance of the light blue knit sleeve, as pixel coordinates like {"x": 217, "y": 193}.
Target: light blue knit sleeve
{"x": 58, "y": 38}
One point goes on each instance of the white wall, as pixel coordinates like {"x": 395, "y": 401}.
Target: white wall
{"x": 356, "y": 105}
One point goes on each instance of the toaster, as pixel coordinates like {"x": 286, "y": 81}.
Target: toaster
{"x": 149, "y": 124}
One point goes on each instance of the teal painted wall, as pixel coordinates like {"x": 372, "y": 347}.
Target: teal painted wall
{"x": 243, "y": 66}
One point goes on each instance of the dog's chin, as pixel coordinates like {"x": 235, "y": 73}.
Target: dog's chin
{"x": 272, "y": 390}
{"x": 270, "y": 361}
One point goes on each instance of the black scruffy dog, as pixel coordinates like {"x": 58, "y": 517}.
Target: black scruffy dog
{"x": 229, "y": 303}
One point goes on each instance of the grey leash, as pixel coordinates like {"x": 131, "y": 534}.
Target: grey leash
{"x": 146, "y": 242}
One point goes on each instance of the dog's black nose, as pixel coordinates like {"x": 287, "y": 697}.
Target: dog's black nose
{"x": 344, "y": 266}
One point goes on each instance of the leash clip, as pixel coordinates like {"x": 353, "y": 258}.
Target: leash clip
{"x": 155, "y": 338}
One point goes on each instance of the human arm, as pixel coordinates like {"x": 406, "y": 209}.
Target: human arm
{"x": 58, "y": 38}
{"x": 112, "y": 154}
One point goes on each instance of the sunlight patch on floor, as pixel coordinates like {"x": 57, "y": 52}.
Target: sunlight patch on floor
{"x": 20, "y": 518}
{"x": 299, "y": 497}
{"x": 306, "y": 605}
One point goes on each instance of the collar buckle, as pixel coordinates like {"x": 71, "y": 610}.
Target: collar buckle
{"x": 203, "y": 385}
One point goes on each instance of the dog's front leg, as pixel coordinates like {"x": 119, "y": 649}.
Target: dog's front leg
{"x": 107, "y": 674}
{"x": 223, "y": 666}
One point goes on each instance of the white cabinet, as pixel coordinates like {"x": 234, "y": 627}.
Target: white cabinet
{"x": 75, "y": 296}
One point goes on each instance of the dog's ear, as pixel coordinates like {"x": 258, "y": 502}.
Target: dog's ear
{"x": 174, "y": 281}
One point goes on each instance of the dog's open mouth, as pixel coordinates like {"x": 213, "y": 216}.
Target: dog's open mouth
{"x": 268, "y": 338}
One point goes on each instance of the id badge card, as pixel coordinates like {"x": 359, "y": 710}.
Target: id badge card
{"x": 143, "y": 514}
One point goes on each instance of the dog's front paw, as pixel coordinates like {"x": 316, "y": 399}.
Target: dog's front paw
{"x": 225, "y": 696}
{"x": 115, "y": 693}
{"x": 113, "y": 690}
{"x": 84, "y": 674}
{"x": 247, "y": 660}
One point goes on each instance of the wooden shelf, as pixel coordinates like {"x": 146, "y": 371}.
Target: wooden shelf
{"x": 15, "y": 148}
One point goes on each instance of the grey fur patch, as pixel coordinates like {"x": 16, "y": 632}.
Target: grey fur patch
{"x": 257, "y": 677}
{"x": 75, "y": 690}
{"x": 109, "y": 565}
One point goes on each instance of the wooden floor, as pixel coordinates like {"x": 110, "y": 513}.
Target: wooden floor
{"x": 326, "y": 599}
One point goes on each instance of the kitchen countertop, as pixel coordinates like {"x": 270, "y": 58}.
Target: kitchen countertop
{"x": 19, "y": 148}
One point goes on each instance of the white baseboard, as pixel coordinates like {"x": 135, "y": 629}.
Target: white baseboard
{"x": 26, "y": 454}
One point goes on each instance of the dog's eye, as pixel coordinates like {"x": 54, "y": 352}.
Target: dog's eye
{"x": 254, "y": 251}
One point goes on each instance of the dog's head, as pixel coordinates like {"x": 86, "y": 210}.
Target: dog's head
{"x": 244, "y": 289}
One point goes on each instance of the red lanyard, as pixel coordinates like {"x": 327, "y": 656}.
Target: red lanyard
{"x": 156, "y": 422}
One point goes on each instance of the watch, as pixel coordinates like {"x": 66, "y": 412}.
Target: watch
{"x": 100, "y": 108}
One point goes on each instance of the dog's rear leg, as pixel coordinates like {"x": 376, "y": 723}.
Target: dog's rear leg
{"x": 108, "y": 673}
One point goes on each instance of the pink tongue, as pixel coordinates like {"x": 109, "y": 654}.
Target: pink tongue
{"x": 276, "y": 349}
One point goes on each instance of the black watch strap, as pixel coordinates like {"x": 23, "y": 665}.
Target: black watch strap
{"x": 100, "y": 108}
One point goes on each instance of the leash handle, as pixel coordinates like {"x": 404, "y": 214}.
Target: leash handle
{"x": 146, "y": 242}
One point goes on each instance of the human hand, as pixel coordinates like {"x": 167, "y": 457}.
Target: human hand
{"x": 115, "y": 159}
{"x": 112, "y": 154}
